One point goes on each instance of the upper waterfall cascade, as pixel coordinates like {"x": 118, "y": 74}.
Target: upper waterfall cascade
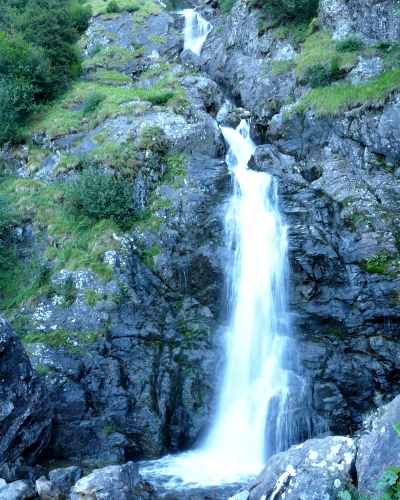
{"x": 196, "y": 30}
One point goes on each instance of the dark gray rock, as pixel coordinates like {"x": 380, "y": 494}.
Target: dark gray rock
{"x": 316, "y": 469}
{"x": 25, "y": 410}
{"x": 378, "y": 447}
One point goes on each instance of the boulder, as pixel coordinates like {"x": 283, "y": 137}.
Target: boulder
{"x": 25, "y": 411}
{"x": 115, "y": 482}
{"x": 18, "y": 490}
{"x": 379, "y": 447}
{"x": 317, "y": 469}
{"x": 59, "y": 484}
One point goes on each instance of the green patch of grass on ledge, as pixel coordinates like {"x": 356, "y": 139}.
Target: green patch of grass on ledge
{"x": 66, "y": 115}
{"x": 60, "y": 338}
{"x": 333, "y": 100}
{"x": 141, "y": 8}
{"x": 77, "y": 242}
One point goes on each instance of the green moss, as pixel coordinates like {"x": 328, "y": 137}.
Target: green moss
{"x": 61, "y": 338}
{"x": 377, "y": 264}
{"x": 336, "y": 98}
{"x": 149, "y": 254}
{"x": 280, "y": 67}
{"x": 93, "y": 296}
{"x": 121, "y": 157}
{"x": 176, "y": 169}
{"x": 157, "y": 39}
{"x": 42, "y": 369}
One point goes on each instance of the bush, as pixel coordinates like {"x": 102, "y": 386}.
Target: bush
{"x": 320, "y": 75}
{"x": 38, "y": 56}
{"x": 112, "y": 7}
{"x": 298, "y": 10}
{"x": 101, "y": 195}
{"x": 226, "y": 5}
{"x": 92, "y": 101}
{"x": 351, "y": 44}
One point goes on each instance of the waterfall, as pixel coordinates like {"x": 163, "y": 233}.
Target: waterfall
{"x": 196, "y": 31}
{"x": 252, "y": 417}
{"x": 259, "y": 321}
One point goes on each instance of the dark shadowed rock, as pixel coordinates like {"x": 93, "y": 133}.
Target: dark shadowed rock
{"x": 25, "y": 411}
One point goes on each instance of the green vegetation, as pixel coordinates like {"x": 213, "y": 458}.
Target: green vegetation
{"x": 93, "y": 296}
{"x": 112, "y": 7}
{"x": 351, "y": 44}
{"x": 141, "y": 8}
{"x": 377, "y": 264}
{"x": 337, "y": 98}
{"x": 152, "y": 138}
{"x": 99, "y": 195}
{"x": 92, "y": 102}
{"x": 226, "y": 5}
{"x": 280, "y": 10}
{"x": 66, "y": 114}
{"x": 37, "y": 55}
{"x": 61, "y": 338}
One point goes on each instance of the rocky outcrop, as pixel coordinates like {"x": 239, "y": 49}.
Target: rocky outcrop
{"x": 371, "y": 20}
{"x": 25, "y": 411}
{"x": 378, "y": 448}
{"x": 116, "y": 482}
{"x": 316, "y": 469}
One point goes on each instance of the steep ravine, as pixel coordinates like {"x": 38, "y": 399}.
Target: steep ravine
{"x": 131, "y": 361}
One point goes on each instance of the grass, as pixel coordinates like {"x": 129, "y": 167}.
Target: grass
{"x": 320, "y": 48}
{"x": 339, "y": 97}
{"x": 281, "y": 67}
{"x": 93, "y": 296}
{"x": 111, "y": 76}
{"x": 66, "y": 116}
{"x": 141, "y": 8}
{"x": 378, "y": 264}
{"x": 74, "y": 241}
{"x": 111, "y": 57}
{"x": 60, "y": 338}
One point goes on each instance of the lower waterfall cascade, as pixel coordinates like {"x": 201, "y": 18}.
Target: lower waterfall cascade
{"x": 238, "y": 441}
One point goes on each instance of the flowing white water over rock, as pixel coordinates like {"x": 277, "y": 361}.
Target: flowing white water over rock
{"x": 243, "y": 431}
{"x": 196, "y": 30}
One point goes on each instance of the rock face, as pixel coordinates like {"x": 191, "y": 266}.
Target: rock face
{"x": 378, "y": 448}
{"x": 371, "y": 20}
{"x": 25, "y": 411}
{"x": 316, "y": 469}
{"x": 338, "y": 183}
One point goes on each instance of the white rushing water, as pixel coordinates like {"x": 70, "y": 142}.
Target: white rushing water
{"x": 196, "y": 30}
{"x": 242, "y": 432}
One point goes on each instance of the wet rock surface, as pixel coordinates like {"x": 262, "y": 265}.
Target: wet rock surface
{"x": 25, "y": 411}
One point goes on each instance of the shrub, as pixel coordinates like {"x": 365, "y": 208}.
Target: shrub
{"x": 38, "y": 56}
{"x": 226, "y": 5}
{"x": 112, "y": 7}
{"x": 92, "y": 101}
{"x": 101, "y": 195}
{"x": 153, "y": 138}
{"x": 298, "y": 10}
{"x": 351, "y": 44}
{"x": 319, "y": 75}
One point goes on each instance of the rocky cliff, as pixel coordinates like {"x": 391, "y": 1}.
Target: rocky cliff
{"x": 124, "y": 323}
